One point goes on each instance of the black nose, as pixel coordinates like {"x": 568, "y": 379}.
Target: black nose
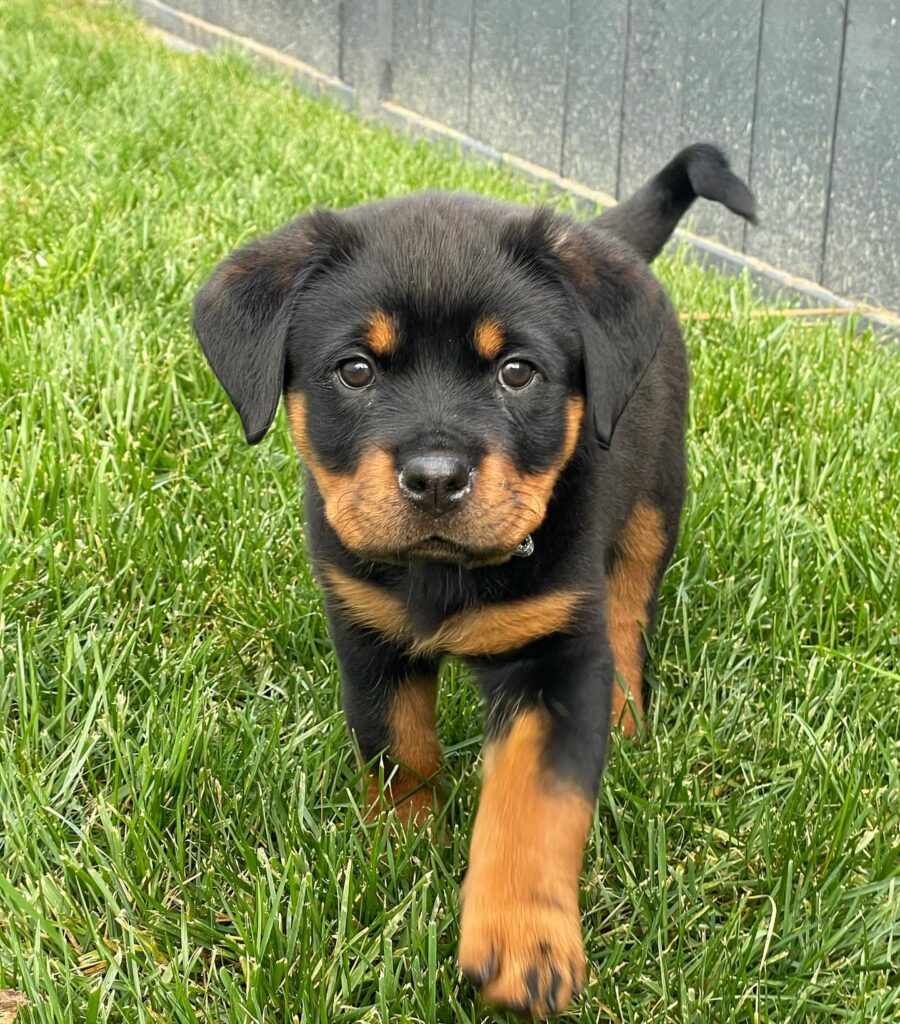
{"x": 435, "y": 482}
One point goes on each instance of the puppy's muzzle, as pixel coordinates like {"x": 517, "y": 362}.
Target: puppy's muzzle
{"x": 436, "y": 482}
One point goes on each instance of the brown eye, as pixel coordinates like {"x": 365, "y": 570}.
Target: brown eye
{"x": 356, "y": 372}
{"x": 516, "y": 374}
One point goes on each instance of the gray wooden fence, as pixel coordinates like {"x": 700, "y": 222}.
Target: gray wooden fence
{"x": 804, "y": 95}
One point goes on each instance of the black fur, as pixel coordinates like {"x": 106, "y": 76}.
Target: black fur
{"x": 577, "y": 301}
{"x": 649, "y": 217}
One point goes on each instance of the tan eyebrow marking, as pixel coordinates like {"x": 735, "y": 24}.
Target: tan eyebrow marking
{"x": 489, "y": 338}
{"x": 381, "y": 334}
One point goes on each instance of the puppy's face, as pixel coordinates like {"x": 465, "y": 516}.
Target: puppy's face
{"x": 432, "y": 355}
{"x": 433, "y": 389}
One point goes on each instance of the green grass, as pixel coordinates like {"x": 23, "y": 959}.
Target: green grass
{"x": 179, "y": 834}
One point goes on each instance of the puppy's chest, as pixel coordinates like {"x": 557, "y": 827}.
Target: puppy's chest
{"x": 432, "y": 614}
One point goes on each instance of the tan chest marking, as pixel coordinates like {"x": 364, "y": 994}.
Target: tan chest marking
{"x": 489, "y": 629}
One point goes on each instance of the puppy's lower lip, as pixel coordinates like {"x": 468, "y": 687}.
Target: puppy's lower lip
{"x": 440, "y": 549}
{"x": 439, "y": 543}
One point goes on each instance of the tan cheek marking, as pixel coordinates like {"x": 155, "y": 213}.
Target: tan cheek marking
{"x": 381, "y": 334}
{"x": 489, "y": 338}
{"x": 497, "y": 628}
{"x": 415, "y": 752}
{"x": 543, "y": 483}
{"x": 520, "y": 895}
{"x": 361, "y": 505}
{"x": 629, "y": 591}
{"x": 336, "y": 488}
{"x": 295, "y": 405}
{"x": 500, "y": 484}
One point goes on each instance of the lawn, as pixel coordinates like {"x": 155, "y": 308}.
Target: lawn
{"x": 179, "y": 832}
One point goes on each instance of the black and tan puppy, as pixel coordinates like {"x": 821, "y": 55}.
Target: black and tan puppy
{"x": 490, "y": 404}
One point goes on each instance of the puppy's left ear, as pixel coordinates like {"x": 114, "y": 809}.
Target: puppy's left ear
{"x": 624, "y": 315}
{"x": 627, "y": 311}
{"x": 242, "y": 314}
{"x": 621, "y": 310}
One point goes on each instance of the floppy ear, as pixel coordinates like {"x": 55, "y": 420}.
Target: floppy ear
{"x": 620, "y": 309}
{"x": 242, "y": 314}
{"x": 621, "y": 332}
{"x": 623, "y": 314}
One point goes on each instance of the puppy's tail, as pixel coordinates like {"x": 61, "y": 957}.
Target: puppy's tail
{"x": 649, "y": 217}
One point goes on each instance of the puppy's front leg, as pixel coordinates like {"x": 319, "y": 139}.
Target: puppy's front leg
{"x": 389, "y": 702}
{"x": 547, "y": 728}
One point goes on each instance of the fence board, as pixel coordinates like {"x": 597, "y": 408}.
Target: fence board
{"x": 799, "y": 69}
{"x": 431, "y": 58}
{"x": 596, "y": 63}
{"x": 653, "y": 89}
{"x": 310, "y": 31}
{"x": 861, "y": 252}
{"x": 719, "y": 72}
{"x": 690, "y": 74}
{"x": 366, "y": 32}
{"x": 518, "y": 77}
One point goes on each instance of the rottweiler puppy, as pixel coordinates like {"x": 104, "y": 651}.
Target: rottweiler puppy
{"x": 490, "y": 405}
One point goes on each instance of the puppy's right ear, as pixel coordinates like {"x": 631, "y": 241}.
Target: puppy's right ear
{"x": 242, "y": 314}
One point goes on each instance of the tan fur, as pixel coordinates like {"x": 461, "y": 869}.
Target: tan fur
{"x": 629, "y": 590}
{"x": 489, "y": 629}
{"x": 520, "y": 895}
{"x": 369, "y": 513}
{"x": 360, "y": 504}
{"x": 367, "y": 604}
{"x": 381, "y": 334}
{"x": 499, "y": 481}
{"x": 505, "y": 626}
{"x": 415, "y": 752}
{"x": 489, "y": 338}
{"x": 572, "y": 251}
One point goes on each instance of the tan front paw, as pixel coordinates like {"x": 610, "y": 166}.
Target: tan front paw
{"x": 523, "y": 950}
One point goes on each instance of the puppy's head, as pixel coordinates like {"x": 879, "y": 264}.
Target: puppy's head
{"x": 439, "y": 357}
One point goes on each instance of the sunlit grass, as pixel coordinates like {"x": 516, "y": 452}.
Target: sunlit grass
{"x": 179, "y": 839}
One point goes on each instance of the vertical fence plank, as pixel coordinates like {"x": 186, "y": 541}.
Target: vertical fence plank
{"x": 219, "y": 12}
{"x": 195, "y": 7}
{"x": 596, "y": 64}
{"x": 797, "y": 90}
{"x": 719, "y": 73}
{"x": 861, "y": 244}
{"x": 652, "y": 95}
{"x": 431, "y": 56}
{"x": 690, "y": 76}
{"x": 518, "y": 77}
{"x": 309, "y": 31}
{"x": 366, "y": 44}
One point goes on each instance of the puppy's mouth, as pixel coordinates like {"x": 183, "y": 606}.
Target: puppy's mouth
{"x": 439, "y": 549}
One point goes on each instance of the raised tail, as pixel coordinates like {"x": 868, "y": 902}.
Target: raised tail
{"x": 647, "y": 219}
